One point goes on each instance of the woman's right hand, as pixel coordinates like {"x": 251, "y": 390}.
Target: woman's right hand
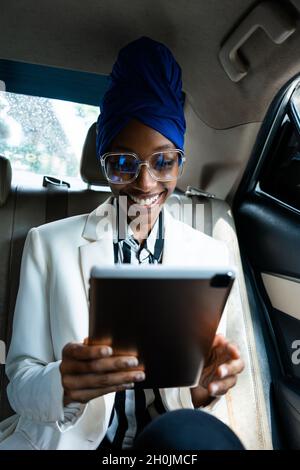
{"x": 88, "y": 372}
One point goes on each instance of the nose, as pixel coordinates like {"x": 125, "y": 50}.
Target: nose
{"x": 144, "y": 181}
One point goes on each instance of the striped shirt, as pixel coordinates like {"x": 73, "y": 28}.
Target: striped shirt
{"x": 134, "y": 409}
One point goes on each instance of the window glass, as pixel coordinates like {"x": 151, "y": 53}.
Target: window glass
{"x": 281, "y": 175}
{"x": 43, "y": 135}
{"x": 295, "y": 100}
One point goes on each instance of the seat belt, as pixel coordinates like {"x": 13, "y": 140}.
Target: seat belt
{"x": 56, "y": 198}
{"x": 197, "y": 195}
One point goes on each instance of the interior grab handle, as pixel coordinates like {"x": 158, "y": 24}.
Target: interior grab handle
{"x": 272, "y": 17}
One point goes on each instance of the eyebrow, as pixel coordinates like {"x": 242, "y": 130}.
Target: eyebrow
{"x": 128, "y": 149}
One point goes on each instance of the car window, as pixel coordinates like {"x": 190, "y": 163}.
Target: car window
{"x": 43, "y": 135}
{"x": 281, "y": 175}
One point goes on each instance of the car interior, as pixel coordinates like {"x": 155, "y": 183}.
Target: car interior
{"x": 241, "y": 80}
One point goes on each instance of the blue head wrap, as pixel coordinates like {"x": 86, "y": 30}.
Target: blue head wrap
{"x": 145, "y": 84}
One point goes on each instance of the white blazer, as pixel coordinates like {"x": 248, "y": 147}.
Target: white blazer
{"x": 52, "y": 310}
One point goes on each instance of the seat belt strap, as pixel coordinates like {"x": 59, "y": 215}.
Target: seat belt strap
{"x": 207, "y": 213}
{"x": 56, "y": 199}
{"x": 198, "y": 196}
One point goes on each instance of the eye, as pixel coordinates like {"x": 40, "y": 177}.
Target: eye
{"x": 165, "y": 160}
{"x": 122, "y": 163}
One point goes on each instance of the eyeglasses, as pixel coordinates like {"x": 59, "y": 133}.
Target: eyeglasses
{"x": 123, "y": 168}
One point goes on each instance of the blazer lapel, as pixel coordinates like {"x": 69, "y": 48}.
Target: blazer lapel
{"x": 99, "y": 232}
{"x": 98, "y": 253}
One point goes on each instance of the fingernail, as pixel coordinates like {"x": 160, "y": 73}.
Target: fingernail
{"x": 131, "y": 362}
{"x": 223, "y": 371}
{"x": 106, "y": 351}
{"x": 139, "y": 376}
{"x": 214, "y": 389}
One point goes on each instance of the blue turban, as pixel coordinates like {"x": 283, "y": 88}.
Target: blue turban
{"x": 145, "y": 84}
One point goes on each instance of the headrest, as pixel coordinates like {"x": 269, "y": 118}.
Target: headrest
{"x": 90, "y": 168}
{"x": 5, "y": 179}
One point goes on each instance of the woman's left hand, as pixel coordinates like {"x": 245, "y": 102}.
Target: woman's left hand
{"x": 219, "y": 373}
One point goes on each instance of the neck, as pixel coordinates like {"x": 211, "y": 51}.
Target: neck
{"x": 141, "y": 222}
{"x": 142, "y": 225}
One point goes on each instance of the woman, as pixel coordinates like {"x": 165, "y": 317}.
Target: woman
{"x": 67, "y": 394}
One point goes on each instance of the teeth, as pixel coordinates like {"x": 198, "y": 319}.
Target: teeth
{"x": 145, "y": 202}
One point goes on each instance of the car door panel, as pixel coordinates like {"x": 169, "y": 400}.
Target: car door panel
{"x": 268, "y": 226}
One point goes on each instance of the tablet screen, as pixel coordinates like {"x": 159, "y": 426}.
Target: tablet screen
{"x": 169, "y": 316}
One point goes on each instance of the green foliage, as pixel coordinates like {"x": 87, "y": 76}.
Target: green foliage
{"x": 35, "y": 136}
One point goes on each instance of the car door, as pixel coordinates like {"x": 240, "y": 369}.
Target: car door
{"x": 267, "y": 214}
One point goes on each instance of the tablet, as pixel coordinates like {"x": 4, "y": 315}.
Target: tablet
{"x": 167, "y": 315}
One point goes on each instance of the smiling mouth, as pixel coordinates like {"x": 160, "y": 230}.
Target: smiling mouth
{"x": 145, "y": 201}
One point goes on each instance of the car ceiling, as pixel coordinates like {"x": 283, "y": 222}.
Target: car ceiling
{"x": 87, "y": 35}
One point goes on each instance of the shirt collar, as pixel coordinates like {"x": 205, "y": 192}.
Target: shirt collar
{"x": 151, "y": 239}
